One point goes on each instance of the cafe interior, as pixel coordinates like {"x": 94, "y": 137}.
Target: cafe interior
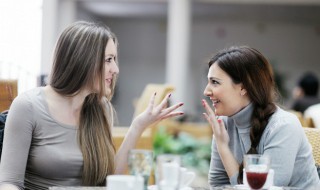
{"x": 164, "y": 47}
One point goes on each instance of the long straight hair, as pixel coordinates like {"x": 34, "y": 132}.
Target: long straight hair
{"x": 79, "y": 64}
{"x": 248, "y": 66}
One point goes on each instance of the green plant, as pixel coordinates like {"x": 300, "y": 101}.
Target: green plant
{"x": 195, "y": 153}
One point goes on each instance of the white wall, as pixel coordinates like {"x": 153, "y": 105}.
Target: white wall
{"x": 291, "y": 47}
{"x": 142, "y": 44}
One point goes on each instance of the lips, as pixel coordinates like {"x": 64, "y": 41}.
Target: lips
{"x": 109, "y": 81}
{"x": 215, "y": 102}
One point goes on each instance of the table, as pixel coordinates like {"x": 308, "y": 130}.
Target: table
{"x": 102, "y": 188}
{"x": 228, "y": 187}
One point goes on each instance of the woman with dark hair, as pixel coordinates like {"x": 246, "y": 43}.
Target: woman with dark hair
{"x": 60, "y": 135}
{"x": 246, "y": 120}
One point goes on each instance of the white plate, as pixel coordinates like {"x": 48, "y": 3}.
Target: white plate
{"x": 154, "y": 187}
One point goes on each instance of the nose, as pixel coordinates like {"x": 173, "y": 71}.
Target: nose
{"x": 114, "y": 68}
{"x": 207, "y": 92}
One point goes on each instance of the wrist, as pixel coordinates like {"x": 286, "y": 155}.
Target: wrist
{"x": 137, "y": 126}
{"x": 222, "y": 148}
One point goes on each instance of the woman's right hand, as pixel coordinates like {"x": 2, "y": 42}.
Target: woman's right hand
{"x": 220, "y": 133}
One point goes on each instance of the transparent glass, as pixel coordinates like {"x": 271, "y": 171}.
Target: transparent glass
{"x": 168, "y": 172}
{"x": 140, "y": 164}
{"x": 257, "y": 168}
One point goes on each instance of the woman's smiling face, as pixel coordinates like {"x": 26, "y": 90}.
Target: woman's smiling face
{"x": 227, "y": 97}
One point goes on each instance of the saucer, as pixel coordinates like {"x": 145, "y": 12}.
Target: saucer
{"x": 154, "y": 187}
{"x": 242, "y": 187}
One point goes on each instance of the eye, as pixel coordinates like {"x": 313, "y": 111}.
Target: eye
{"x": 212, "y": 81}
{"x": 108, "y": 60}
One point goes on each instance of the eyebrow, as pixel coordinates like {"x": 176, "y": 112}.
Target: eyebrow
{"x": 214, "y": 78}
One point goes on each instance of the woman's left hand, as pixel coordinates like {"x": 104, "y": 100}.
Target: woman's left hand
{"x": 155, "y": 113}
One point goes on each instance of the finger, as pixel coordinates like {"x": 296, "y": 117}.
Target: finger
{"x": 151, "y": 102}
{"x": 211, "y": 114}
{"x": 164, "y": 103}
{"x": 222, "y": 126}
{"x": 172, "y": 108}
{"x": 173, "y": 114}
{"x": 209, "y": 111}
{"x": 207, "y": 108}
{"x": 208, "y": 119}
{"x": 215, "y": 127}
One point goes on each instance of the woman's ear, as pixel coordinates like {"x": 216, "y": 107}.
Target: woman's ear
{"x": 243, "y": 91}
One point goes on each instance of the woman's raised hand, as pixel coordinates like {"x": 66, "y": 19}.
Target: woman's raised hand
{"x": 155, "y": 113}
{"x": 217, "y": 125}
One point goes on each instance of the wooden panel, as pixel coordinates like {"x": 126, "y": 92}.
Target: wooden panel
{"x": 8, "y": 91}
{"x": 197, "y": 130}
{"x": 145, "y": 141}
{"x": 161, "y": 89}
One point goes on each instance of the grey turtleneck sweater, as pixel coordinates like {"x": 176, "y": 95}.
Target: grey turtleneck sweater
{"x": 283, "y": 140}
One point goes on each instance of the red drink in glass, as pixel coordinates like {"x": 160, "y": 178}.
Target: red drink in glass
{"x": 256, "y": 180}
{"x": 256, "y": 168}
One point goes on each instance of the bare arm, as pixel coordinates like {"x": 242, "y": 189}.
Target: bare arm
{"x": 151, "y": 115}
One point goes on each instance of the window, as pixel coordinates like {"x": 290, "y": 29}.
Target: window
{"x": 20, "y": 41}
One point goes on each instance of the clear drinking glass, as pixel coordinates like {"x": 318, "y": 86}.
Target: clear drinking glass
{"x": 168, "y": 172}
{"x": 140, "y": 163}
{"x": 257, "y": 168}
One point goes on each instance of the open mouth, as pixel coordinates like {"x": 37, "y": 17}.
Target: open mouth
{"x": 215, "y": 102}
{"x": 109, "y": 81}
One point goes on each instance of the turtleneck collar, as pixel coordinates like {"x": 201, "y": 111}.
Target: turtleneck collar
{"x": 243, "y": 117}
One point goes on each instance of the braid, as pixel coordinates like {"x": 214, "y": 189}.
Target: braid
{"x": 259, "y": 121}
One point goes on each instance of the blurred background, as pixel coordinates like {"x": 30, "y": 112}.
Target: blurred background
{"x": 164, "y": 41}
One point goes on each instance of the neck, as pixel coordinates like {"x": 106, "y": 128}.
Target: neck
{"x": 66, "y": 108}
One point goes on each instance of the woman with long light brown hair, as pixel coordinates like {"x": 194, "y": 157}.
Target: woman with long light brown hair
{"x": 60, "y": 135}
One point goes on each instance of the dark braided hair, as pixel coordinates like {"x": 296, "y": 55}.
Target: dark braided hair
{"x": 248, "y": 66}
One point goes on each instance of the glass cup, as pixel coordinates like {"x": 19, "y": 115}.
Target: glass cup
{"x": 256, "y": 168}
{"x": 140, "y": 164}
{"x": 168, "y": 172}
{"x": 186, "y": 177}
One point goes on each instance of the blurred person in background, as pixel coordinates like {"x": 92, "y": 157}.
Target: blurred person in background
{"x": 61, "y": 134}
{"x": 313, "y": 112}
{"x": 241, "y": 87}
{"x": 305, "y": 93}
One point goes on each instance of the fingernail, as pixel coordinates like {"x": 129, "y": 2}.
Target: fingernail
{"x": 155, "y": 93}
{"x": 203, "y": 104}
{"x": 181, "y": 104}
{"x": 181, "y": 113}
{"x": 169, "y": 95}
{"x": 219, "y": 120}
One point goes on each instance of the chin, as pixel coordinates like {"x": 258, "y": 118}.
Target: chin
{"x": 108, "y": 91}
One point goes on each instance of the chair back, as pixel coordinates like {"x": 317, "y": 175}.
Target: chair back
{"x": 305, "y": 121}
{"x": 8, "y": 91}
{"x": 161, "y": 89}
{"x": 313, "y": 135}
